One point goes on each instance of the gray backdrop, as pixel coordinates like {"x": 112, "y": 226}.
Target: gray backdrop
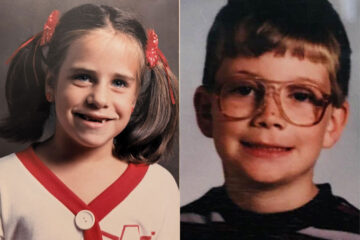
{"x": 200, "y": 166}
{"x": 20, "y": 19}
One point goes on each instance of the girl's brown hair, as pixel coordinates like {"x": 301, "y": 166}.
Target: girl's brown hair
{"x": 154, "y": 121}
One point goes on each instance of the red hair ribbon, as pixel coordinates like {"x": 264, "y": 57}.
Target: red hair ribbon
{"x": 47, "y": 33}
{"x": 153, "y": 54}
{"x": 49, "y": 27}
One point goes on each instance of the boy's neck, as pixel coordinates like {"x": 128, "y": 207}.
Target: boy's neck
{"x": 271, "y": 198}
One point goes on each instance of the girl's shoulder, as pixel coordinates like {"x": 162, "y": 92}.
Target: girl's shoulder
{"x": 160, "y": 170}
{"x": 9, "y": 163}
{"x": 158, "y": 173}
{"x": 12, "y": 172}
{"x": 7, "y": 158}
{"x": 158, "y": 180}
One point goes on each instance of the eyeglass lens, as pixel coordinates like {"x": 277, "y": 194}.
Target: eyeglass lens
{"x": 301, "y": 103}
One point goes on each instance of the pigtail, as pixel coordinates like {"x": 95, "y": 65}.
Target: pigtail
{"x": 25, "y": 94}
{"x": 155, "y": 119}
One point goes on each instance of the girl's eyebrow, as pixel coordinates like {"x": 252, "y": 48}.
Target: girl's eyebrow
{"x": 92, "y": 72}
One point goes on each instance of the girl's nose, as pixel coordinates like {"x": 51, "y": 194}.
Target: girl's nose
{"x": 270, "y": 114}
{"x": 98, "y": 97}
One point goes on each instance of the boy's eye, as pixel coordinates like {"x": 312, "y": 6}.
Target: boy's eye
{"x": 306, "y": 97}
{"x": 240, "y": 89}
{"x": 301, "y": 96}
{"x": 243, "y": 90}
{"x": 304, "y": 94}
{"x": 119, "y": 83}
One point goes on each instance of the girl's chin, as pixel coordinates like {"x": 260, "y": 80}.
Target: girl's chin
{"x": 92, "y": 142}
{"x": 97, "y": 144}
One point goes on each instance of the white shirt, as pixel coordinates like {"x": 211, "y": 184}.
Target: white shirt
{"x": 142, "y": 204}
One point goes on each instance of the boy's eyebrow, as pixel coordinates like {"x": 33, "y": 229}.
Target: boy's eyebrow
{"x": 92, "y": 72}
{"x": 250, "y": 74}
{"x": 306, "y": 79}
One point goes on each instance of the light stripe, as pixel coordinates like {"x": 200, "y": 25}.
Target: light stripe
{"x": 329, "y": 234}
{"x": 192, "y": 218}
{"x": 216, "y": 217}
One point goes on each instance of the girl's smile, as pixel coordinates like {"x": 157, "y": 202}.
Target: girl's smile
{"x": 96, "y": 89}
{"x": 92, "y": 120}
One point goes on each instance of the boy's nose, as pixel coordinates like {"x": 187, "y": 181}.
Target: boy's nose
{"x": 270, "y": 115}
{"x": 98, "y": 97}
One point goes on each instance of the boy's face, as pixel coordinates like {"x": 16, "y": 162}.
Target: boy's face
{"x": 266, "y": 148}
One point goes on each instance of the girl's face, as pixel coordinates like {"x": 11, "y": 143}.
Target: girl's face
{"x": 96, "y": 88}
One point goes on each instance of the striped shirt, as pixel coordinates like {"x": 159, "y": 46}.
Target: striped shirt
{"x": 215, "y": 216}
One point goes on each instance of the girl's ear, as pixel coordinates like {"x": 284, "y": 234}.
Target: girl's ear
{"x": 336, "y": 125}
{"x": 49, "y": 87}
{"x": 202, "y": 102}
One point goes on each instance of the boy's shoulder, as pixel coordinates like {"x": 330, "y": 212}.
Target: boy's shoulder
{"x": 335, "y": 212}
{"x": 326, "y": 216}
{"x": 209, "y": 203}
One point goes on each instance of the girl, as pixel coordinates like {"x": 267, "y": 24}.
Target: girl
{"x": 115, "y": 101}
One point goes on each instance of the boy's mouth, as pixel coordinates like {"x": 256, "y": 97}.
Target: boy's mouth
{"x": 92, "y": 118}
{"x": 266, "y": 147}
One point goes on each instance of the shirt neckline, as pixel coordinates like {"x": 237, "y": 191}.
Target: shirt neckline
{"x": 101, "y": 205}
{"x": 293, "y": 219}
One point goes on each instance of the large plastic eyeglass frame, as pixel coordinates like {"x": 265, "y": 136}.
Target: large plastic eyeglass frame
{"x": 267, "y": 84}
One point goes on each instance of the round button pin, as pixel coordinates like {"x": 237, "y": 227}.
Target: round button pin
{"x": 84, "y": 219}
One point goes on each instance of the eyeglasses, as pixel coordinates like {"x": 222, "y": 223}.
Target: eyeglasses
{"x": 301, "y": 103}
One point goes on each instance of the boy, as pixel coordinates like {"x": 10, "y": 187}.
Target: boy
{"x": 274, "y": 94}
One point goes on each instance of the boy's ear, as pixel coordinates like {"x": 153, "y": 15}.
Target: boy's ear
{"x": 202, "y": 102}
{"x": 336, "y": 125}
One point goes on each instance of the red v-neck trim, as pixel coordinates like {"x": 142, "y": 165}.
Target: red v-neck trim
{"x": 101, "y": 205}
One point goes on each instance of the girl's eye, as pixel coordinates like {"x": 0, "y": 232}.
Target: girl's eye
{"x": 82, "y": 77}
{"x": 120, "y": 83}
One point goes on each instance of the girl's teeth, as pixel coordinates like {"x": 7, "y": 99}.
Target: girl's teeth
{"x": 90, "y": 119}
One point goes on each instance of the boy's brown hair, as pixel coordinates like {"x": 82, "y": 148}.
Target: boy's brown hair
{"x": 304, "y": 28}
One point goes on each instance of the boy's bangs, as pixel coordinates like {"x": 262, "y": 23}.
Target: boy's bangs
{"x": 266, "y": 38}
{"x": 253, "y": 40}
{"x": 316, "y": 53}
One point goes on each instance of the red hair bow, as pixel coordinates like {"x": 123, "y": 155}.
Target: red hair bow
{"x": 49, "y": 27}
{"x": 152, "y": 48}
{"x": 47, "y": 33}
{"x": 153, "y": 54}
